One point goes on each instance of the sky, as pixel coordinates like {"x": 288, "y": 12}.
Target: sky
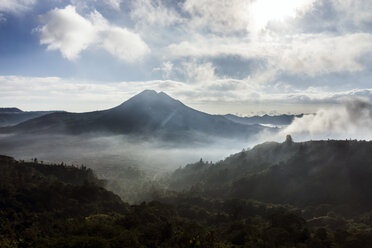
{"x": 244, "y": 57}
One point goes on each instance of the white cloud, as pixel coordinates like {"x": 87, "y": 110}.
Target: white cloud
{"x": 242, "y": 16}
{"x": 198, "y": 72}
{"x": 351, "y": 119}
{"x": 67, "y": 31}
{"x": 265, "y": 11}
{"x": 214, "y": 46}
{"x": 70, "y": 33}
{"x": 355, "y": 11}
{"x": 320, "y": 54}
{"x": 86, "y": 4}
{"x": 153, "y": 13}
{"x": 124, "y": 44}
{"x": 222, "y": 93}
{"x": 205, "y": 29}
{"x": 219, "y": 16}
{"x": 311, "y": 55}
{"x": 224, "y": 28}
{"x": 166, "y": 69}
{"x": 114, "y": 3}
{"x": 16, "y": 6}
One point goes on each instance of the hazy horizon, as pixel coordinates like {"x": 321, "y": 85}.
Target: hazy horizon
{"x": 209, "y": 108}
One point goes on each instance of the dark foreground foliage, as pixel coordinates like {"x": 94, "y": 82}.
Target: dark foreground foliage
{"x": 64, "y": 206}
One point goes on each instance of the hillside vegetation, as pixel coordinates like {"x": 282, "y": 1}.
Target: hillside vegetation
{"x": 312, "y": 194}
{"x": 331, "y": 172}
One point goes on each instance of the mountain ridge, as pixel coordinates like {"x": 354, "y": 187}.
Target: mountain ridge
{"x": 279, "y": 120}
{"x": 10, "y": 110}
{"x": 15, "y": 116}
{"x": 148, "y": 114}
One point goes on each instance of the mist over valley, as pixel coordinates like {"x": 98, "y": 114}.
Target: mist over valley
{"x": 137, "y": 145}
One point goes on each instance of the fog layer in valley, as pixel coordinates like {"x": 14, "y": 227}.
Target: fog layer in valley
{"x": 130, "y": 166}
{"x": 110, "y": 150}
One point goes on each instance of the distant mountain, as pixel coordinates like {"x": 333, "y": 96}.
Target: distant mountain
{"x": 276, "y": 120}
{"x": 337, "y": 173}
{"x": 14, "y": 116}
{"x": 10, "y": 110}
{"x": 148, "y": 113}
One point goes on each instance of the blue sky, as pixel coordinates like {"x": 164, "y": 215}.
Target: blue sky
{"x": 237, "y": 56}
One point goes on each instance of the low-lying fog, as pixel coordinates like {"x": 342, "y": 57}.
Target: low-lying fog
{"x": 113, "y": 150}
{"x": 351, "y": 119}
{"x": 130, "y": 165}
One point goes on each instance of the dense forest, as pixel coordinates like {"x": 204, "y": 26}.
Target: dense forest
{"x": 313, "y": 194}
{"x": 337, "y": 173}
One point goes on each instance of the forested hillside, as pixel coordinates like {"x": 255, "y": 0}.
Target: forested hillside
{"x": 331, "y": 172}
{"x": 275, "y": 195}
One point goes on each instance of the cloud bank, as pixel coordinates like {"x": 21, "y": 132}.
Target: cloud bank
{"x": 352, "y": 119}
{"x": 53, "y": 93}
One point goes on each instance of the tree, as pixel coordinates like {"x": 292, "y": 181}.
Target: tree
{"x": 288, "y": 139}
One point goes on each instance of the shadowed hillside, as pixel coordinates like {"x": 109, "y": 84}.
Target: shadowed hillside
{"x": 303, "y": 174}
{"x": 14, "y": 116}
